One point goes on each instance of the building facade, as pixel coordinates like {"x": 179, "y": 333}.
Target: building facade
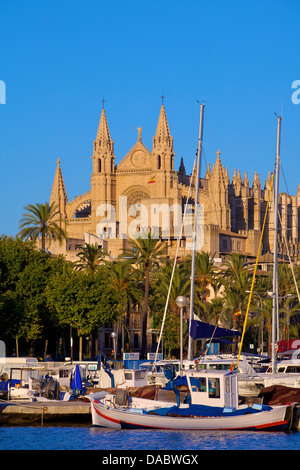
{"x": 145, "y": 191}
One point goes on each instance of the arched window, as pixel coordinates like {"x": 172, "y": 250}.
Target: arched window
{"x": 159, "y": 162}
{"x": 99, "y": 165}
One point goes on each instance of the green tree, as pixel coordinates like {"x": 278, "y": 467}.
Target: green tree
{"x": 125, "y": 280}
{"x": 180, "y": 286}
{"x": 83, "y": 301}
{"x": 289, "y": 307}
{"x": 205, "y": 280}
{"x": 24, "y": 274}
{"x": 42, "y": 221}
{"x": 31, "y": 288}
{"x": 90, "y": 257}
{"x": 236, "y": 282}
{"x": 13, "y": 319}
{"x": 14, "y": 257}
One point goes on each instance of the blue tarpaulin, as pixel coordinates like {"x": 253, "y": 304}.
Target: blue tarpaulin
{"x": 4, "y": 385}
{"x": 202, "y": 330}
{"x": 176, "y": 383}
{"x": 76, "y": 382}
{"x": 205, "y": 410}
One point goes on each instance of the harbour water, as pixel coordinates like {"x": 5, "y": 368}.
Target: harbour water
{"x": 89, "y": 438}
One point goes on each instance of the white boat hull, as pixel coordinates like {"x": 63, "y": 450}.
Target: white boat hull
{"x": 278, "y": 418}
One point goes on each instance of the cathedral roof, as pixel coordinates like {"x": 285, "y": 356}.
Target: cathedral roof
{"x": 138, "y": 158}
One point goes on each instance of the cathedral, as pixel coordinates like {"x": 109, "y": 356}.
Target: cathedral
{"x": 145, "y": 191}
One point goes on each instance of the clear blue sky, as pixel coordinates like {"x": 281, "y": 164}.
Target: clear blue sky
{"x": 60, "y": 58}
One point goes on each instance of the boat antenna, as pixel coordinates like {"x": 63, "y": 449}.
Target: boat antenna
{"x": 275, "y": 306}
{"x": 174, "y": 264}
{"x": 194, "y": 241}
{"x": 254, "y": 273}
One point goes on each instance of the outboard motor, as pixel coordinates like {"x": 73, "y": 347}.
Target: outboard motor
{"x": 121, "y": 397}
{"x": 52, "y": 390}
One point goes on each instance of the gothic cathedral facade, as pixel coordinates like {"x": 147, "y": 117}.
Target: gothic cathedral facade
{"x": 144, "y": 191}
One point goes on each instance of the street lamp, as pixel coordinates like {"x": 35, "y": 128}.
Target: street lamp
{"x": 114, "y": 336}
{"x": 181, "y": 302}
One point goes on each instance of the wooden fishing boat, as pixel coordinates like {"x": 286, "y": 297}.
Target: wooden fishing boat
{"x": 210, "y": 404}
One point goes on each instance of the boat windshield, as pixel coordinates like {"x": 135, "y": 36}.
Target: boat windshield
{"x": 198, "y": 384}
{"x": 214, "y": 387}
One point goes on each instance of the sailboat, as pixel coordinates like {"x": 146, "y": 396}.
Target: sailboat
{"x": 211, "y": 401}
{"x": 251, "y": 383}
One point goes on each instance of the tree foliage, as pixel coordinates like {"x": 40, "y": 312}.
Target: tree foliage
{"x": 42, "y": 221}
{"x": 146, "y": 253}
{"x": 83, "y": 301}
{"x": 41, "y": 295}
{"x": 90, "y": 257}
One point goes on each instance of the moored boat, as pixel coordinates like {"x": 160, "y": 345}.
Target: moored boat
{"x": 211, "y": 404}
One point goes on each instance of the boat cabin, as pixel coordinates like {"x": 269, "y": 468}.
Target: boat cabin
{"x": 219, "y": 362}
{"x": 213, "y": 388}
{"x": 134, "y": 378}
{"x": 286, "y": 367}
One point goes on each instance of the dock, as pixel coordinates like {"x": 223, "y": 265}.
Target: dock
{"x": 75, "y": 412}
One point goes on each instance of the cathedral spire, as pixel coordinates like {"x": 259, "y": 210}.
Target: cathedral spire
{"x": 103, "y": 155}
{"x": 256, "y": 181}
{"x": 58, "y": 193}
{"x": 218, "y": 167}
{"x": 208, "y": 172}
{"x": 182, "y": 167}
{"x": 103, "y": 134}
{"x": 246, "y": 180}
{"x": 268, "y": 181}
{"x": 162, "y": 130}
{"x": 163, "y": 143}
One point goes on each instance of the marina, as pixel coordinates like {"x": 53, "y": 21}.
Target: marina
{"x": 150, "y": 236}
{"x": 79, "y": 410}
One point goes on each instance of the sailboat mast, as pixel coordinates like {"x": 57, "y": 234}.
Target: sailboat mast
{"x": 194, "y": 244}
{"x": 275, "y": 305}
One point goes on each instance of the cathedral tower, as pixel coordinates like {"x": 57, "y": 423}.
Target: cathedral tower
{"x": 163, "y": 156}
{"x": 162, "y": 150}
{"x": 103, "y": 176}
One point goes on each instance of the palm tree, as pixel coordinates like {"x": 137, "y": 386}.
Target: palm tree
{"x": 180, "y": 286}
{"x": 41, "y": 221}
{"x": 90, "y": 257}
{"x": 205, "y": 278}
{"x": 236, "y": 283}
{"x": 146, "y": 254}
{"x": 237, "y": 268}
{"x": 289, "y": 312}
{"x": 125, "y": 279}
{"x": 288, "y": 303}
